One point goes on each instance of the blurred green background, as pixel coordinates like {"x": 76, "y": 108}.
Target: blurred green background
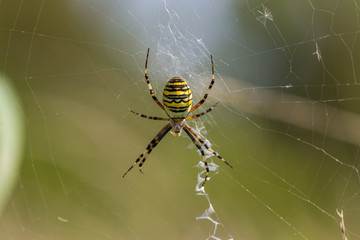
{"x": 287, "y": 75}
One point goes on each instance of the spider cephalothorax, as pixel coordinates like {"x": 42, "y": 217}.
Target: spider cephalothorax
{"x": 177, "y": 125}
{"x": 177, "y": 104}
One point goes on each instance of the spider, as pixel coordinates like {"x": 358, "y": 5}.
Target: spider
{"x": 177, "y": 100}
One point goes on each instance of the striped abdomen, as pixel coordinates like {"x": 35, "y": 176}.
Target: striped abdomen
{"x": 177, "y": 98}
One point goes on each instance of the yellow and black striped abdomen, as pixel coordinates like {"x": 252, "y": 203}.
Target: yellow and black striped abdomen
{"x": 177, "y": 98}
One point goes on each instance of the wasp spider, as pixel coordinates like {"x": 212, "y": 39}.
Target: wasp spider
{"x": 177, "y": 100}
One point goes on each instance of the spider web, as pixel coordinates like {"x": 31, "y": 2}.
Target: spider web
{"x": 286, "y": 74}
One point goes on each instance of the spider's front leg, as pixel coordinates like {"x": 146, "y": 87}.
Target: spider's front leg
{"x": 205, "y": 145}
{"x": 150, "y": 147}
{"x": 202, "y": 153}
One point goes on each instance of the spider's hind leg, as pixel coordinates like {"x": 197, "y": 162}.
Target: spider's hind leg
{"x": 209, "y": 88}
{"x": 149, "y": 85}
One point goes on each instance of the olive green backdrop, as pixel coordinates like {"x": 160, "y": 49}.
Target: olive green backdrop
{"x": 287, "y": 76}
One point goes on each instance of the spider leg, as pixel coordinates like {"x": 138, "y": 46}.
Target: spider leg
{"x": 148, "y": 83}
{"x": 150, "y": 147}
{"x": 208, "y": 90}
{"x": 153, "y": 144}
{"x": 203, "y": 113}
{"x": 205, "y": 145}
{"x": 201, "y": 151}
{"x": 145, "y": 116}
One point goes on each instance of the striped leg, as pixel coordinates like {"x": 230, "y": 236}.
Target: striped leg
{"x": 201, "y": 151}
{"x": 208, "y": 91}
{"x": 205, "y": 145}
{"x": 145, "y": 116}
{"x": 154, "y": 143}
{"x": 203, "y": 113}
{"x": 150, "y": 147}
{"x": 148, "y": 83}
